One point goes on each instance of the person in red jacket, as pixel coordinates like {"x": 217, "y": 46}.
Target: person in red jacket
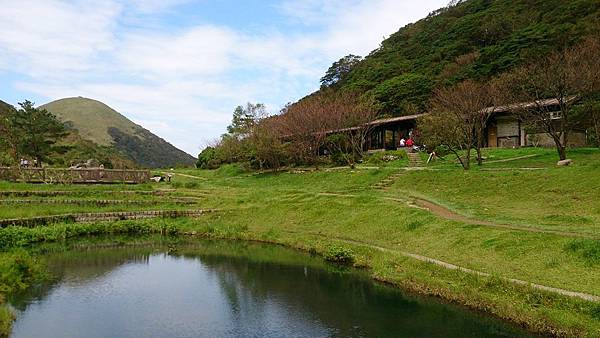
{"x": 409, "y": 144}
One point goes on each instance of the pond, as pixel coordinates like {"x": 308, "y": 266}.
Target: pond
{"x": 227, "y": 289}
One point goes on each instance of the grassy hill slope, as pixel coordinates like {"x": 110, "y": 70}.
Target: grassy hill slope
{"x": 473, "y": 39}
{"x": 101, "y": 124}
{"x": 92, "y": 118}
{"x": 75, "y": 149}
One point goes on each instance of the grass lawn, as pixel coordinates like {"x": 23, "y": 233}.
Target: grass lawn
{"x": 322, "y": 209}
{"x": 562, "y": 198}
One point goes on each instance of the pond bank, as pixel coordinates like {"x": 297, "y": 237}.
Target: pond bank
{"x": 225, "y": 289}
{"x": 536, "y": 310}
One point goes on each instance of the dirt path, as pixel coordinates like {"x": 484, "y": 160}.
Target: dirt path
{"x": 511, "y": 159}
{"x": 450, "y": 266}
{"x": 190, "y": 176}
{"x": 446, "y": 213}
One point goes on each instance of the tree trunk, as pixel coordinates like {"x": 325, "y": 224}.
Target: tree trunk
{"x": 479, "y": 135}
{"x": 478, "y": 150}
{"x": 596, "y": 122}
{"x": 560, "y": 148}
{"x": 467, "y": 164}
{"x": 457, "y": 156}
{"x": 562, "y": 153}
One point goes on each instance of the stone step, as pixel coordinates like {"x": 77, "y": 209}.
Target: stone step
{"x": 414, "y": 160}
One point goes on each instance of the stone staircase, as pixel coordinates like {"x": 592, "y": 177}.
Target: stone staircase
{"x": 388, "y": 181}
{"x": 414, "y": 160}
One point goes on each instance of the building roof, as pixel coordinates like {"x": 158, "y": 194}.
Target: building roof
{"x": 396, "y": 119}
{"x": 495, "y": 109}
{"x": 526, "y": 105}
{"x": 378, "y": 122}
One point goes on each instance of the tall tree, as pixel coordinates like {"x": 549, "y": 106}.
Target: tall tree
{"x": 309, "y": 124}
{"x": 467, "y": 105}
{"x": 37, "y": 131}
{"x": 303, "y": 125}
{"x": 8, "y": 137}
{"x": 245, "y": 118}
{"x": 447, "y": 131}
{"x": 267, "y": 146}
{"x": 350, "y": 118}
{"x": 339, "y": 70}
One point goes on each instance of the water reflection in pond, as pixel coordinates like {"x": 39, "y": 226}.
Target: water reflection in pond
{"x": 225, "y": 289}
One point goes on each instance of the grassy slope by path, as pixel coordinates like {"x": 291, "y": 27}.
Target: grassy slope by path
{"x": 556, "y": 198}
{"x": 290, "y": 208}
{"x": 272, "y": 205}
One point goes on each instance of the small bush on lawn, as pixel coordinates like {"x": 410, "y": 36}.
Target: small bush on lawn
{"x": 341, "y": 255}
{"x": 6, "y": 319}
{"x": 587, "y": 249}
{"x": 383, "y": 157}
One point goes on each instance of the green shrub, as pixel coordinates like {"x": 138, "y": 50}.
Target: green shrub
{"x": 596, "y": 312}
{"x": 208, "y": 159}
{"x": 191, "y": 185}
{"x": 375, "y": 160}
{"x": 339, "y": 254}
{"x": 19, "y": 270}
{"x": 6, "y": 319}
{"x": 230, "y": 170}
{"x": 413, "y": 225}
{"x": 587, "y": 249}
{"x": 380, "y": 158}
{"x": 338, "y": 158}
{"x": 187, "y": 185}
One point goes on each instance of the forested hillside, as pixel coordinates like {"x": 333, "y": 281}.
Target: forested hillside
{"x": 472, "y": 39}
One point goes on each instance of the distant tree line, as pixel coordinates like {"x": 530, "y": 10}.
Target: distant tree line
{"x": 327, "y": 126}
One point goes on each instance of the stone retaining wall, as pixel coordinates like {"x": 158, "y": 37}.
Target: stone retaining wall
{"x": 67, "y": 175}
{"x": 95, "y": 202}
{"x": 47, "y": 193}
{"x": 101, "y": 216}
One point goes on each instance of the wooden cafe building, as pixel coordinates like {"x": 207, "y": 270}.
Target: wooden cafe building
{"x": 504, "y": 129}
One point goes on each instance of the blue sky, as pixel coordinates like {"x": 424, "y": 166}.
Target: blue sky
{"x": 179, "y": 67}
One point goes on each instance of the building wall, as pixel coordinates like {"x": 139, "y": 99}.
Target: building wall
{"x": 505, "y": 131}
{"x": 508, "y": 132}
{"x": 576, "y": 139}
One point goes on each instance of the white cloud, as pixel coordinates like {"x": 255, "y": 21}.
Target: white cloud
{"x": 202, "y": 50}
{"x": 182, "y": 83}
{"x": 41, "y": 38}
{"x": 357, "y": 26}
{"x": 154, "y": 6}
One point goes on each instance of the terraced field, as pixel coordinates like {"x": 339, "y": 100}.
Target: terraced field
{"x": 517, "y": 238}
